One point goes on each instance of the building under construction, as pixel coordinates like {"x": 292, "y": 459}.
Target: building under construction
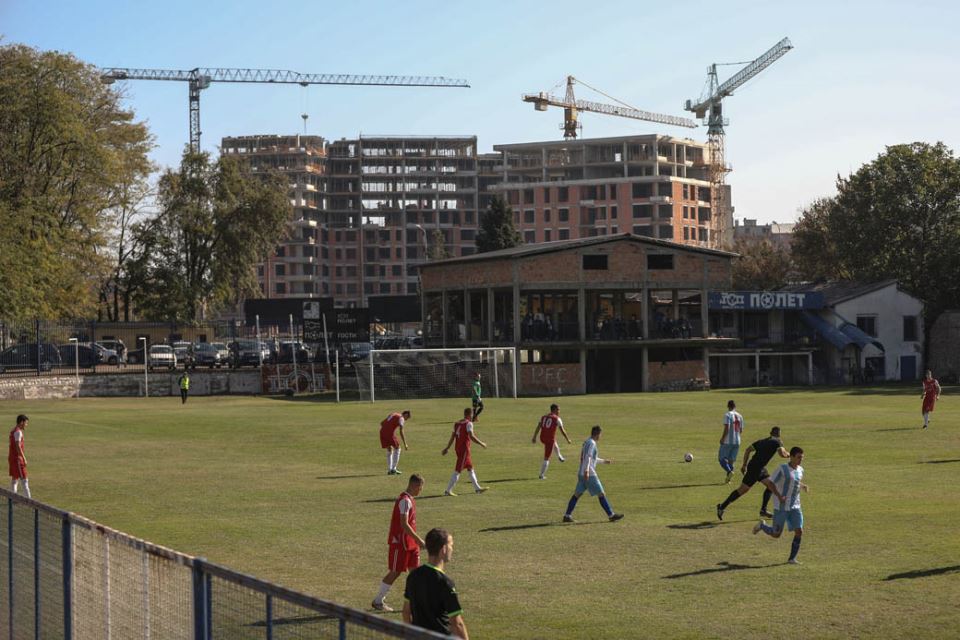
{"x": 369, "y": 210}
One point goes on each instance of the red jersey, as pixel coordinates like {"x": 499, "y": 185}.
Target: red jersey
{"x": 929, "y": 388}
{"x": 17, "y": 440}
{"x": 461, "y": 431}
{"x": 390, "y": 424}
{"x": 403, "y": 508}
{"x": 548, "y": 427}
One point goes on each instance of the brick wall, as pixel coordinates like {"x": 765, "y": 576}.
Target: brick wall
{"x": 129, "y": 385}
{"x": 551, "y": 379}
{"x": 677, "y": 375}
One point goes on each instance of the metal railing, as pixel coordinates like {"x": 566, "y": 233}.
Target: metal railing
{"x": 64, "y": 576}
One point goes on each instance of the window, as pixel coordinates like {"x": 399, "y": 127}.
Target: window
{"x": 704, "y": 234}
{"x": 370, "y": 253}
{"x": 659, "y": 261}
{"x": 546, "y": 215}
{"x": 868, "y": 324}
{"x": 529, "y": 216}
{"x": 529, "y": 237}
{"x": 642, "y": 210}
{"x": 594, "y": 262}
{"x": 564, "y": 234}
{"x": 665, "y": 232}
{"x": 546, "y": 194}
{"x": 396, "y": 270}
{"x": 528, "y": 196}
{"x": 384, "y": 287}
{"x": 546, "y": 235}
{"x": 260, "y": 270}
{"x": 384, "y": 253}
{"x": 563, "y": 194}
{"x": 564, "y": 215}
{"x": 280, "y": 269}
{"x": 686, "y": 192}
{"x": 686, "y": 233}
{"x": 351, "y": 254}
{"x": 642, "y": 190}
{"x": 613, "y": 212}
{"x": 468, "y": 217}
{"x": 467, "y": 234}
{"x": 280, "y": 287}
{"x": 643, "y": 230}
{"x": 370, "y": 271}
{"x": 612, "y": 192}
{"x": 368, "y": 287}
{"x": 909, "y": 328}
{"x": 281, "y": 252}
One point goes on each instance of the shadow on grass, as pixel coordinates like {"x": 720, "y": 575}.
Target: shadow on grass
{"x": 706, "y": 524}
{"x": 539, "y": 525}
{"x": 939, "y": 461}
{"x": 295, "y": 621}
{"x": 359, "y": 475}
{"x": 323, "y": 397}
{"x": 896, "y": 429}
{"x": 721, "y": 567}
{"x": 923, "y": 573}
{"x": 511, "y": 480}
{"x": 876, "y": 390}
{"x": 419, "y": 498}
{"x": 680, "y": 486}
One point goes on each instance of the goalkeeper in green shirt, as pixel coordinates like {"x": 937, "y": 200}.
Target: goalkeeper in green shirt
{"x": 477, "y": 397}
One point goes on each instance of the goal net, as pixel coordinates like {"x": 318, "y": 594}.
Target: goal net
{"x": 397, "y": 374}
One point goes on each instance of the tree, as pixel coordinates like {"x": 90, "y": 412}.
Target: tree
{"x": 761, "y": 266}
{"x": 66, "y": 150}
{"x": 438, "y": 249}
{"x": 897, "y": 217}
{"x": 496, "y": 228}
{"x": 213, "y": 225}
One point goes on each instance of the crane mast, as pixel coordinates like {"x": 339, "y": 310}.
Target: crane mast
{"x": 710, "y": 108}
{"x": 199, "y": 79}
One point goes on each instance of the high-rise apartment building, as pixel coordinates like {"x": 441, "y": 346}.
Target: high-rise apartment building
{"x": 369, "y": 210}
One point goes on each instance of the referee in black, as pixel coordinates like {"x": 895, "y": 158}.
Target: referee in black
{"x": 431, "y": 597}
{"x": 756, "y": 469}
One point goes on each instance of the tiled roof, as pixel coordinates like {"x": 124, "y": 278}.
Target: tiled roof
{"x": 839, "y": 291}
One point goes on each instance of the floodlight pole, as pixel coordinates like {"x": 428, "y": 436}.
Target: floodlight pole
{"x": 76, "y": 362}
{"x": 293, "y": 351}
{"x": 146, "y": 368}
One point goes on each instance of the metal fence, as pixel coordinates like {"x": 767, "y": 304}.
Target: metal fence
{"x": 65, "y": 576}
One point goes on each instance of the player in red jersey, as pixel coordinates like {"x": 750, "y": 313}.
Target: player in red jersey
{"x": 388, "y": 439}
{"x": 16, "y": 457}
{"x": 931, "y": 393}
{"x": 463, "y": 435}
{"x": 404, "y": 543}
{"x": 547, "y": 427}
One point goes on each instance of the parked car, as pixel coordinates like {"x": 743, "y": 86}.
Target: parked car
{"x": 105, "y": 355}
{"x": 353, "y": 351}
{"x": 116, "y": 345}
{"x": 162, "y": 355}
{"x": 71, "y": 353}
{"x": 206, "y": 355}
{"x": 26, "y": 356}
{"x": 285, "y": 354}
{"x": 223, "y": 351}
{"x": 135, "y": 356}
{"x": 248, "y": 353}
{"x": 184, "y": 353}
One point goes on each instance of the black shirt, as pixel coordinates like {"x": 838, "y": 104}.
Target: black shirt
{"x": 764, "y": 450}
{"x": 433, "y": 598}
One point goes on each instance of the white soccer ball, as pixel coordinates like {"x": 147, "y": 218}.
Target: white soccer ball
{"x": 688, "y": 457}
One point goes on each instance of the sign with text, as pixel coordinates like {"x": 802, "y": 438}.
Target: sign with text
{"x": 764, "y": 300}
{"x": 350, "y": 325}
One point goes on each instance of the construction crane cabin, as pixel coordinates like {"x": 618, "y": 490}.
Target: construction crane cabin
{"x": 199, "y": 79}
{"x": 709, "y": 108}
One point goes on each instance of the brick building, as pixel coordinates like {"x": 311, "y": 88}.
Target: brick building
{"x": 601, "y": 314}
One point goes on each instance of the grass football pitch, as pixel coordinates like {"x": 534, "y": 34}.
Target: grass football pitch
{"x": 296, "y": 492}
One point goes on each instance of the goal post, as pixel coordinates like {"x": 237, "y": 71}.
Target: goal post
{"x": 398, "y": 374}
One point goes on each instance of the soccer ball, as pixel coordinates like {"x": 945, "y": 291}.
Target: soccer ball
{"x": 688, "y": 457}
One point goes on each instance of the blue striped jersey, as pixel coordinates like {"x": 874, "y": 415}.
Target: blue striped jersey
{"x": 734, "y": 423}
{"x": 788, "y": 481}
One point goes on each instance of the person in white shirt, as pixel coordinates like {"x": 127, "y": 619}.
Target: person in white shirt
{"x": 788, "y": 479}
{"x": 588, "y": 479}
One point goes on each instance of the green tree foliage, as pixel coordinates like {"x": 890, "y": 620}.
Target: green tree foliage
{"x": 761, "y": 266}
{"x": 214, "y": 224}
{"x": 438, "y": 246}
{"x": 67, "y": 148}
{"x": 896, "y": 217}
{"x": 496, "y": 228}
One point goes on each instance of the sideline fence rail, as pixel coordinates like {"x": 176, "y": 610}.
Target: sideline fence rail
{"x": 65, "y": 576}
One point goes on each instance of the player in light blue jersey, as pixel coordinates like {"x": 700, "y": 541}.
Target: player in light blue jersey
{"x": 588, "y": 479}
{"x": 730, "y": 440}
{"x": 788, "y": 479}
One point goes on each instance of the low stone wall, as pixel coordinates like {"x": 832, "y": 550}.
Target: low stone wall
{"x": 683, "y": 375}
{"x": 202, "y": 383}
{"x": 551, "y": 379}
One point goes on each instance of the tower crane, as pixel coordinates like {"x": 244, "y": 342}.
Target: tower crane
{"x": 200, "y": 78}
{"x": 709, "y": 108}
{"x": 571, "y": 107}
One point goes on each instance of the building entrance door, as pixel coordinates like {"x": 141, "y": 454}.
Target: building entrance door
{"x": 908, "y": 368}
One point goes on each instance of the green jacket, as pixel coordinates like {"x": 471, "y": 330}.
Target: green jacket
{"x": 476, "y": 389}
{"x": 185, "y": 382}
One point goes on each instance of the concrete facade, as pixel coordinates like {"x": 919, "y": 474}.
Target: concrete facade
{"x": 945, "y": 346}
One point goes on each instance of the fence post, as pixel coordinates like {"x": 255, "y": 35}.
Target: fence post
{"x": 66, "y": 534}
{"x": 39, "y": 347}
{"x": 343, "y": 629}
{"x": 200, "y": 610}
{"x": 10, "y": 559}
{"x": 269, "y": 617}
{"x": 36, "y": 574}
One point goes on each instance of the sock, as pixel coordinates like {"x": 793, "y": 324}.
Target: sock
{"x": 473, "y": 479}
{"x": 795, "y": 547}
{"x": 926, "y": 419}
{"x": 556, "y": 448}
{"x": 13, "y": 485}
{"x": 26, "y": 487}
{"x": 384, "y": 588}
{"x": 766, "y": 499}
{"x": 606, "y": 505}
{"x": 543, "y": 467}
{"x": 453, "y": 481}
{"x": 396, "y": 458}
{"x": 731, "y": 498}
{"x": 389, "y": 460}
{"x": 477, "y": 411}
{"x": 767, "y": 529}
{"x": 572, "y": 504}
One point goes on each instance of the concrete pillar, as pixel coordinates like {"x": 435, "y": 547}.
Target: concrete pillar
{"x": 644, "y": 370}
{"x": 626, "y": 169}
{"x": 490, "y": 310}
{"x": 706, "y": 363}
{"x": 810, "y": 368}
{"x": 645, "y": 310}
{"x": 516, "y": 312}
{"x": 583, "y": 369}
{"x": 582, "y": 312}
{"x": 675, "y": 304}
{"x": 616, "y": 370}
{"x": 756, "y": 367}
{"x": 704, "y": 313}
{"x": 467, "y": 325}
{"x": 443, "y": 316}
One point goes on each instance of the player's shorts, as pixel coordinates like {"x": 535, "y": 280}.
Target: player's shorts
{"x": 592, "y": 486}
{"x": 400, "y": 559}
{"x": 792, "y": 518}
{"x": 18, "y": 469}
{"x": 477, "y": 402}
{"x": 388, "y": 440}
{"x": 754, "y": 474}
{"x": 463, "y": 460}
{"x": 928, "y": 403}
{"x": 728, "y": 452}
{"x": 548, "y": 448}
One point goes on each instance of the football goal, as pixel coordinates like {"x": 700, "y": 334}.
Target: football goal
{"x": 397, "y": 374}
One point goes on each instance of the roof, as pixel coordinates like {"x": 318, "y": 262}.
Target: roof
{"x": 840, "y": 291}
{"x": 584, "y": 142}
{"x": 539, "y": 248}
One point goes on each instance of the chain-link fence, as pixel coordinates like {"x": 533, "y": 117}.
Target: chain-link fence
{"x": 68, "y": 577}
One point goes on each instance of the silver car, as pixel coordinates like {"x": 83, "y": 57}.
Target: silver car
{"x": 162, "y": 355}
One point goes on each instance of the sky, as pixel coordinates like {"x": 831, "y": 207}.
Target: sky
{"x": 863, "y": 75}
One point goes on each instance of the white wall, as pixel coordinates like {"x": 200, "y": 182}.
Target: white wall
{"x": 890, "y": 305}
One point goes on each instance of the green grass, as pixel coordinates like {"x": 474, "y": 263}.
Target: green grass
{"x": 296, "y": 492}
